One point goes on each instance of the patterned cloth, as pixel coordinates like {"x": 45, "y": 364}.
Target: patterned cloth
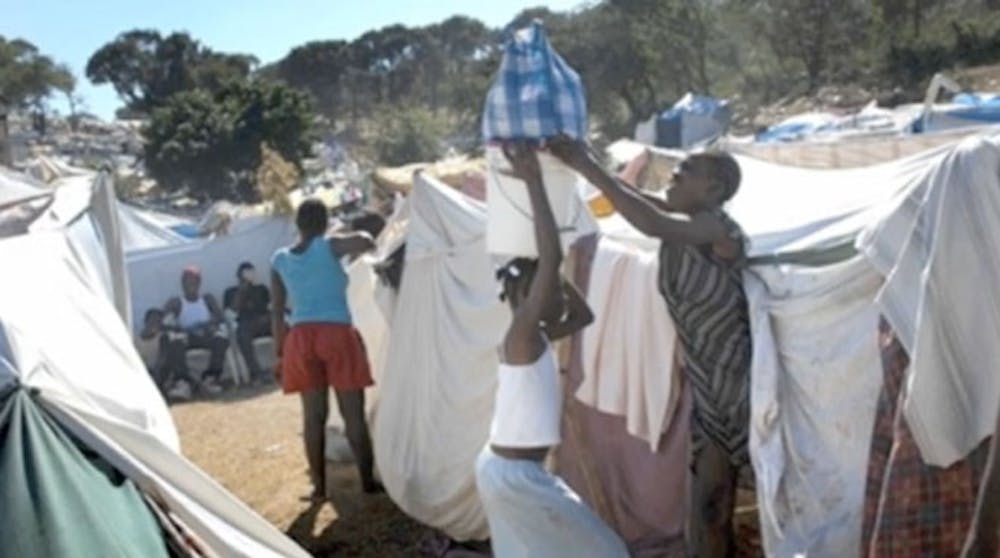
{"x": 912, "y": 509}
{"x": 706, "y": 300}
{"x": 536, "y": 95}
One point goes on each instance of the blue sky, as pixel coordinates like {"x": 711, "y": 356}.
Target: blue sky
{"x": 71, "y": 30}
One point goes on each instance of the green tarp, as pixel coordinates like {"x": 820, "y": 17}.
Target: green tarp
{"x": 59, "y": 499}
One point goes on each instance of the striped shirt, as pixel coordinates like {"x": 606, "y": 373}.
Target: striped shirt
{"x": 705, "y": 296}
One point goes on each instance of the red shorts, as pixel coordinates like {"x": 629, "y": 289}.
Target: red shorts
{"x": 320, "y": 355}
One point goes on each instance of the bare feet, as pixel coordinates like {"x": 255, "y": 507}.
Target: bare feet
{"x": 318, "y": 496}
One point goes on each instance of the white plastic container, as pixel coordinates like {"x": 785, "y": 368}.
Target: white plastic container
{"x": 510, "y": 230}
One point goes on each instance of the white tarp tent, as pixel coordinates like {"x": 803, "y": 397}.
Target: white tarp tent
{"x": 16, "y": 189}
{"x": 142, "y": 229}
{"x": 814, "y": 314}
{"x": 48, "y": 169}
{"x": 84, "y": 207}
{"x": 813, "y": 402}
{"x": 440, "y": 372}
{"x": 786, "y": 210}
{"x": 21, "y": 201}
{"x": 937, "y": 250}
{"x": 139, "y": 228}
{"x": 845, "y": 152}
{"x": 816, "y": 372}
{"x": 64, "y": 339}
{"x": 816, "y": 377}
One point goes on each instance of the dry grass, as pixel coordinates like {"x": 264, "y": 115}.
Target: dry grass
{"x": 250, "y": 441}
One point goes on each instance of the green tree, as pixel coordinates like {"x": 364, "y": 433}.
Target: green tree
{"x": 146, "y": 68}
{"x": 208, "y": 145}
{"x": 463, "y": 55}
{"x": 75, "y": 101}
{"x": 409, "y": 135}
{"x": 389, "y": 56}
{"x": 27, "y": 77}
{"x": 822, "y": 36}
{"x": 319, "y": 68}
{"x": 441, "y": 66}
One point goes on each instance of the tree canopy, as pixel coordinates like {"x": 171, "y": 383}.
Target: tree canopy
{"x": 639, "y": 56}
{"x": 146, "y": 69}
{"x": 28, "y": 77}
{"x": 410, "y": 92}
{"x": 208, "y": 145}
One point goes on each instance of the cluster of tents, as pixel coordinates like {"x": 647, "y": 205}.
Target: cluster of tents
{"x": 833, "y": 251}
{"x": 89, "y": 454}
{"x": 698, "y": 120}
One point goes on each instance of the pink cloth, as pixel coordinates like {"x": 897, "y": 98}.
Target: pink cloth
{"x": 642, "y": 495}
{"x": 474, "y": 185}
{"x": 625, "y": 353}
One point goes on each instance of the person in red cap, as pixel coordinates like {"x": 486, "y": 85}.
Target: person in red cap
{"x": 197, "y": 321}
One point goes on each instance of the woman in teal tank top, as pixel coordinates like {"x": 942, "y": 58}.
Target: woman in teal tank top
{"x": 318, "y": 347}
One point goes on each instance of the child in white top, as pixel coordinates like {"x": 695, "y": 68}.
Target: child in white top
{"x": 531, "y": 512}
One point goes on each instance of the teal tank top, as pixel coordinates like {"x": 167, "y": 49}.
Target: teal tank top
{"x": 315, "y": 282}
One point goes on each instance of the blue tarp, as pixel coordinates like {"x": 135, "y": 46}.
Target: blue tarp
{"x": 186, "y": 230}
{"x": 967, "y": 109}
{"x": 798, "y": 127}
{"x": 692, "y": 120}
{"x": 982, "y": 100}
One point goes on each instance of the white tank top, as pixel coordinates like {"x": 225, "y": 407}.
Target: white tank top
{"x": 528, "y": 404}
{"x": 193, "y": 313}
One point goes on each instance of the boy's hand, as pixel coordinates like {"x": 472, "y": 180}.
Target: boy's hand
{"x": 570, "y": 151}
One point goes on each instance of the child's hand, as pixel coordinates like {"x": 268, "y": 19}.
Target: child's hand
{"x": 524, "y": 161}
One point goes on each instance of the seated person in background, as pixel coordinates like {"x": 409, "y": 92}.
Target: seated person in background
{"x": 250, "y": 301}
{"x": 200, "y": 319}
{"x": 149, "y": 343}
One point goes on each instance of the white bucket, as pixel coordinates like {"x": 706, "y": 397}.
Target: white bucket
{"x": 510, "y": 230}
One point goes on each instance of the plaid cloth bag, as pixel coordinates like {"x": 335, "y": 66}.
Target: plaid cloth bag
{"x": 536, "y": 95}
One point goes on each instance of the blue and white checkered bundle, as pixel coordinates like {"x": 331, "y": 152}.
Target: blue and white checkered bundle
{"x": 536, "y": 95}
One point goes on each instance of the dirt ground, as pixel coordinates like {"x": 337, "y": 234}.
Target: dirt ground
{"x": 250, "y": 441}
